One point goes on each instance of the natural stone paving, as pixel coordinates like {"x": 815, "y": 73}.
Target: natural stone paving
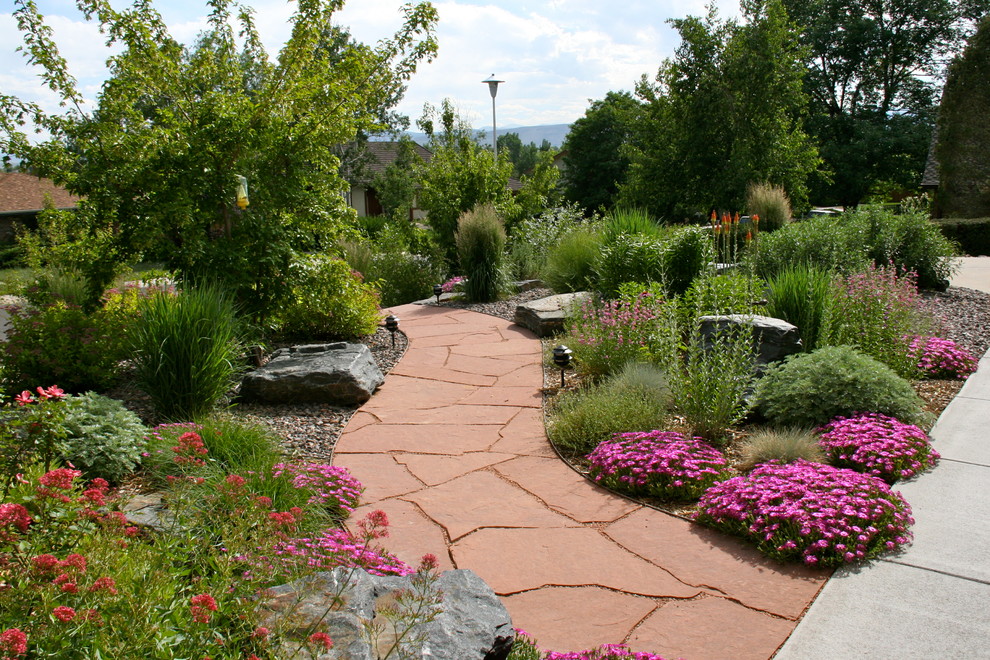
{"x": 453, "y": 449}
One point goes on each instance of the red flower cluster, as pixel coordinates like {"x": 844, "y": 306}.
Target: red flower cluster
{"x": 201, "y": 606}
{"x": 189, "y": 449}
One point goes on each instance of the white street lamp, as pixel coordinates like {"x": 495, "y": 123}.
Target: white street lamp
{"x": 493, "y": 88}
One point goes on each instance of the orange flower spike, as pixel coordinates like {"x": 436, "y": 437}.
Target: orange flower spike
{"x": 735, "y": 219}
{"x": 749, "y": 236}
{"x": 714, "y": 218}
{"x": 726, "y": 219}
{"x": 756, "y": 219}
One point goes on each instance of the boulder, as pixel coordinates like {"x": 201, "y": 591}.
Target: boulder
{"x": 546, "y": 316}
{"x": 773, "y": 338}
{"x": 473, "y": 623}
{"x": 340, "y": 373}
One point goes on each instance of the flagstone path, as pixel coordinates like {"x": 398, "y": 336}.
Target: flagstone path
{"x": 453, "y": 449}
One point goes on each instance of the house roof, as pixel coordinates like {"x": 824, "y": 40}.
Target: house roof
{"x": 384, "y": 154}
{"x": 25, "y": 193}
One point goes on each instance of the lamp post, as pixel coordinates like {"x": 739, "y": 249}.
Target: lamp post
{"x": 493, "y": 88}
{"x": 437, "y": 290}
{"x": 392, "y": 324}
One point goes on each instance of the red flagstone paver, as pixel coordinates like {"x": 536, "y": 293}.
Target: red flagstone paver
{"x": 514, "y": 560}
{"x": 381, "y": 476}
{"x": 494, "y": 503}
{"x": 564, "y": 490}
{"x": 453, "y": 449}
{"x": 432, "y": 469}
{"x": 710, "y": 629}
{"x": 578, "y": 618}
{"x": 418, "y": 438}
{"x": 705, "y": 558}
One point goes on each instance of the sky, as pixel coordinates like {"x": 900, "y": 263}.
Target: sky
{"x": 555, "y": 56}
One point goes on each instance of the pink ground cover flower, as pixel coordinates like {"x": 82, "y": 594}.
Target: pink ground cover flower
{"x": 451, "y": 285}
{"x": 604, "y": 652}
{"x": 663, "y": 464}
{"x": 337, "y": 547}
{"x": 819, "y": 514}
{"x": 879, "y": 445}
{"x": 941, "y": 358}
{"x": 331, "y": 486}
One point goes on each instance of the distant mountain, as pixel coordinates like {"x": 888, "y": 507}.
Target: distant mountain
{"x": 555, "y": 133}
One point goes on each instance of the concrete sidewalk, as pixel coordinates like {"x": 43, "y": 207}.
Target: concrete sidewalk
{"x": 933, "y": 599}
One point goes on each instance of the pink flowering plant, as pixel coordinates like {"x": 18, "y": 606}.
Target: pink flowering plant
{"x": 30, "y": 429}
{"x": 818, "y": 514}
{"x": 662, "y": 464}
{"x": 879, "y": 445}
{"x": 453, "y": 284}
{"x": 525, "y": 648}
{"x": 940, "y": 358}
{"x": 605, "y": 336}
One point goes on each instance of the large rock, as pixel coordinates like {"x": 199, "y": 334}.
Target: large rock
{"x": 473, "y": 624}
{"x": 773, "y": 338}
{"x": 546, "y": 316}
{"x": 341, "y": 373}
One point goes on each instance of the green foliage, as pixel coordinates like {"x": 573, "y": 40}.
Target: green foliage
{"x": 30, "y": 434}
{"x": 963, "y": 137}
{"x": 627, "y": 221}
{"x": 710, "y": 379}
{"x": 481, "y": 249}
{"x": 572, "y": 263}
{"x": 237, "y": 446}
{"x": 810, "y": 389}
{"x": 878, "y": 312}
{"x": 395, "y": 187}
{"x": 60, "y": 343}
{"x": 770, "y": 202}
{"x": 726, "y": 110}
{"x": 909, "y": 241}
{"x": 157, "y": 160}
{"x": 674, "y": 258}
{"x": 821, "y": 242}
{"x": 400, "y": 275}
{"x": 687, "y": 253}
{"x": 186, "y": 350}
{"x": 733, "y": 292}
{"x": 523, "y": 157}
{"x": 972, "y": 235}
{"x": 803, "y": 295}
{"x": 870, "y": 114}
{"x": 785, "y": 445}
{"x": 460, "y": 176}
{"x": 627, "y": 402}
{"x": 595, "y": 160}
{"x": 101, "y": 438}
{"x": 538, "y": 190}
{"x": 329, "y": 301}
{"x": 532, "y": 239}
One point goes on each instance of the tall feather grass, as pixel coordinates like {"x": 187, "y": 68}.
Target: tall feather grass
{"x": 804, "y": 295}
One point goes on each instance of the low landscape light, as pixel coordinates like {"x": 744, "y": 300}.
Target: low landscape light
{"x": 562, "y": 358}
{"x": 392, "y": 324}
{"x": 437, "y": 290}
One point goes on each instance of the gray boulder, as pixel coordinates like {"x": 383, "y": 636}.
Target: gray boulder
{"x": 773, "y": 338}
{"x": 340, "y": 373}
{"x": 473, "y": 623}
{"x": 546, "y": 316}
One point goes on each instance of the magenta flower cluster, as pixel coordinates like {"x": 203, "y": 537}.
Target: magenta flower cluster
{"x": 819, "y": 514}
{"x": 605, "y": 337}
{"x": 452, "y": 284}
{"x": 663, "y": 464}
{"x": 338, "y": 547}
{"x": 879, "y": 445}
{"x": 332, "y": 487}
{"x": 941, "y": 358}
{"x": 604, "y": 652}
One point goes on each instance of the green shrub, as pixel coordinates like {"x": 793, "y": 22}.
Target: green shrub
{"x": 908, "y": 241}
{"x": 60, "y": 344}
{"x": 630, "y": 222}
{"x": 400, "y": 275}
{"x": 632, "y": 402}
{"x": 972, "y": 235}
{"x": 480, "y": 242}
{"x": 102, "y": 438}
{"x": 571, "y": 264}
{"x": 821, "y": 242}
{"x": 533, "y": 239}
{"x": 804, "y": 296}
{"x": 785, "y": 445}
{"x": 329, "y": 301}
{"x": 687, "y": 253}
{"x": 64, "y": 285}
{"x": 771, "y": 203}
{"x": 359, "y": 255}
{"x": 630, "y": 258}
{"x": 810, "y": 389}
{"x": 187, "y": 350}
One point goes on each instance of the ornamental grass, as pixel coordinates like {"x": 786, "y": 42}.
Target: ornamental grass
{"x": 663, "y": 464}
{"x": 941, "y": 358}
{"x": 879, "y": 445}
{"x": 818, "y": 514}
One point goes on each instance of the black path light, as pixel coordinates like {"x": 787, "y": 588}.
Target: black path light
{"x": 562, "y": 358}
{"x": 437, "y": 290}
{"x": 392, "y": 324}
